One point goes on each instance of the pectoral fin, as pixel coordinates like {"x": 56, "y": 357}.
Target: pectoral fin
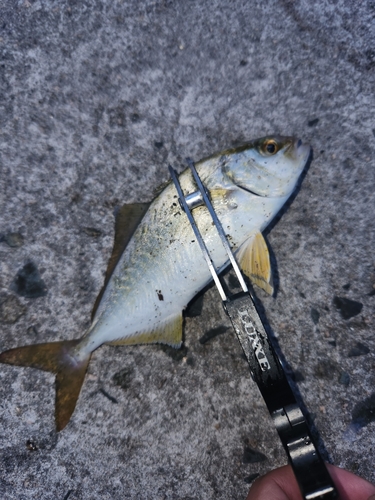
{"x": 169, "y": 333}
{"x": 127, "y": 221}
{"x": 254, "y": 260}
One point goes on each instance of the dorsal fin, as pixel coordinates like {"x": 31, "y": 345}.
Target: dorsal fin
{"x": 127, "y": 220}
{"x": 254, "y": 259}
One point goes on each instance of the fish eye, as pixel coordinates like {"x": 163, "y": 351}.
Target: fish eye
{"x": 270, "y": 147}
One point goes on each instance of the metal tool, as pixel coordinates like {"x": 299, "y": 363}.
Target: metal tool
{"x": 265, "y": 367}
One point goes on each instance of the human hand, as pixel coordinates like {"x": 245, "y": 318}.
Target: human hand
{"x": 281, "y": 484}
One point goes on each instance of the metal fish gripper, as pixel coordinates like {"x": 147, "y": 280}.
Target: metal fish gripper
{"x": 265, "y": 366}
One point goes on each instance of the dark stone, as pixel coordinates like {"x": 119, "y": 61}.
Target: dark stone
{"x": 372, "y": 293}
{"x": 251, "y": 478}
{"x": 214, "y": 332}
{"x": 123, "y": 378}
{"x": 348, "y": 163}
{"x": 68, "y": 494}
{"x": 14, "y": 240}
{"x": 364, "y": 412}
{"x": 344, "y": 379}
{"x": 347, "y": 307}
{"x": 315, "y": 315}
{"x": 91, "y": 231}
{"x": 251, "y": 456}
{"x": 11, "y": 309}
{"x": 31, "y": 445}
{"x": 28, "y": 282}
{"x": 108, "y": 396}
{"x": 325, "y": 369}
{"x": 298, "y": 376}
{"x": 346, "y": 287}
{"x": 32, "y": 330}
{"x": 358, "y": 350}
{"x": 333, "y": 343}
{"x": 243, "y": 62}
{"x": 158, "y": 144}
{"x": 313, "y": 122}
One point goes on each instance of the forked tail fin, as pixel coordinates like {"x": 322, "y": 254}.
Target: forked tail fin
{"x": 58, "y": 358}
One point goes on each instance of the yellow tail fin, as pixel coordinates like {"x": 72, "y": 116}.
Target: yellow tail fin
{"x": 58, "y": 358}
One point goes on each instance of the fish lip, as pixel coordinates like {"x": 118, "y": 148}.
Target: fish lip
{"x": 250, "y": 191}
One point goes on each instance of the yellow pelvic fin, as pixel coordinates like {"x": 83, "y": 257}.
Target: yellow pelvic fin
{"x": 169, "y": 333}
{"x": 254, "y": 260}
{"x": 58, "y": 358}
{"x": 127, "y": 221}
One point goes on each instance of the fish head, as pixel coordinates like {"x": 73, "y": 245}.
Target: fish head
{"x": 267, "y": 167}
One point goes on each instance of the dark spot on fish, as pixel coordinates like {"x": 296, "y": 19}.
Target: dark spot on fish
{"x": 160, "y": 295}
{"x": 108, "y": 396}
{"x": 158, "y": 144}
{"x": 91, "y": 231}
{"x": 251, "y": 456}
{"x": 123, "y": 378}
{"x": 28, "y": 282}
{"x": 313, "y": 122}
{"x": 358, "y": 350}
{"x": 364, "y": 412}
{"x": 251, "y": 478}
{"x": 31, "y": 445}
{"x": 346, "y": 287}
{"x": 347, "y": 307}
{"x": 315, "y": 315}
{"x": 213, "y": 332}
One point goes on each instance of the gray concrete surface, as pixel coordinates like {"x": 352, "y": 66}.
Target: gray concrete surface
{"x": 96, "y": 98}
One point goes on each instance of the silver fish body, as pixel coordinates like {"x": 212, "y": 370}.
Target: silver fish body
{"x": 162, "y": 268}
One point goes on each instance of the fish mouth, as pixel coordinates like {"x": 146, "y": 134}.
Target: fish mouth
{"x": 250, "y": 191}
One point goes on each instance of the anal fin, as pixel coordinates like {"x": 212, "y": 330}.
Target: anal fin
{"x": 169, "y": 332}
{"x": 254, "y": 260}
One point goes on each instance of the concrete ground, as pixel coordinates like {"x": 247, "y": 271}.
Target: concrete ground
{"x": 97, "y": 98}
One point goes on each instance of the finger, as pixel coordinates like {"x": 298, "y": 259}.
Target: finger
{"x": 350, "y": 486}
{"x": 279, "y": 484}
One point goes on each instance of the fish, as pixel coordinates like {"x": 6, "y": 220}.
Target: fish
{"x": 156, "y": 267}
